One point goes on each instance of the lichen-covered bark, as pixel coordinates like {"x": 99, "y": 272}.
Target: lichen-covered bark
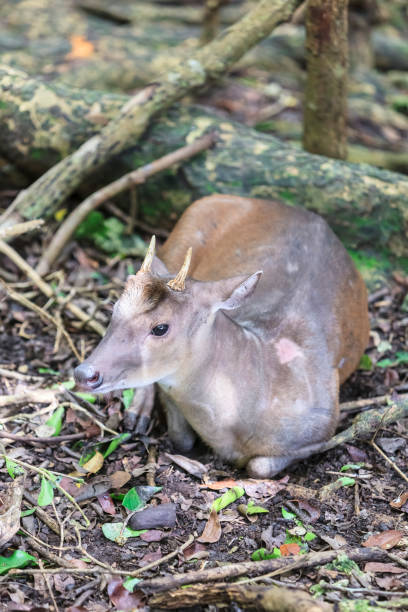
{"x": 325, "y": 105}
{"x": 365, "y": 206}
{"x": 210, "y": 62}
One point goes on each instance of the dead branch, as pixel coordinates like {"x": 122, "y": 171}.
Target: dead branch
{"x": 20, "y": 228}
{"x": 207, "y": 63}
{"x": 128, "y": 181}
{"x": 257, "y": 568}
{"x": 46, "y": 289}
{"x": 366, "y": 423}
{"x": 269, "y": 598}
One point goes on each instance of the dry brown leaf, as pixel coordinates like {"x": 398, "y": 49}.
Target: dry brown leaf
{"x": 212, "y": 530}
{"x": 220, "y": 484}
{"x": 311, "y": 509}
{"x": 195, "y": 551}
{"x": 153, "y": 535}
{"x": 385, "y": 540}
{"x": 389, "y": 582}
{"x": 107, "y": 504}
{"x": 193, "y": 467}
{"x": 389, "y": 568}
{"x": 94, "y": 464}
{"x": 119, "y": 479}
{"x": 122, "y": 598}
{"x": 399, "y": 501}
{"x": 80, "y": 48}
{"x": 263, "y": 488}
{"x": 10, "y": 511}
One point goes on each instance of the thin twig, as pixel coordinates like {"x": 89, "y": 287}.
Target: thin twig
{"x": 362, "y": 403}
{"x": 45, "y": 288}
{"x": 45, "y": 440}
{"x": 20, "y": 376}
{"x": 164, "y": 559}
{"x": 21, "y": 299}
{"x": 20, "y": 228}
{"x": 47, "y": 582}
{"x": 390, "y": 461}
{"x": 70, "y": 224}
{"x": 91, "y": 417}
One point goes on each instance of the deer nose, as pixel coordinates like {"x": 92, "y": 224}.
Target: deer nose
{"x": 86, "y": 374}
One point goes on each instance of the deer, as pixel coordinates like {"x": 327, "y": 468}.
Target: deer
{"x": 248, "y": 320}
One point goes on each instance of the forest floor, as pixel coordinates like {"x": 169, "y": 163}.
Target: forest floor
{"x": 342, "y": 515}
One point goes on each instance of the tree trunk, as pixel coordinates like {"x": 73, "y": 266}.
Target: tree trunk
{"x": 352, "y": 197}
{"x": 325, "y": 107}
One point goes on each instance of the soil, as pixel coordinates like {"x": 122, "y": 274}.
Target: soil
{"x": 348, "y": 516}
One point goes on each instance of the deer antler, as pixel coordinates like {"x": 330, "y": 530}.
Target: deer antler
{"x": 178, "y": 283}
{"x": 147, "y": 263}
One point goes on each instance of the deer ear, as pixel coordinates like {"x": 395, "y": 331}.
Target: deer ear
{"x": 240, "y": 293}
{"x": 158, "y": 267}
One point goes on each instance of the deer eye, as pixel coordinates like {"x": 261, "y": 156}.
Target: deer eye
{"x": 160, "y": 330}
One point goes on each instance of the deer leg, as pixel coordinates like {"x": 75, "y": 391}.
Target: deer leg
{"x": 180, "y": 432}
{"x": 137, "y": 416}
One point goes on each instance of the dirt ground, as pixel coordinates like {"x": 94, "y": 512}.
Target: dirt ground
{"x": 341, "y": 517}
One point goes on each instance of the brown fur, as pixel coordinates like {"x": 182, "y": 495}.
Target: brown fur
{"x": 257, "y": 344}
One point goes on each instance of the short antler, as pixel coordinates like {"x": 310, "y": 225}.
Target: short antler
{"x": 147, "y": 263}
{"x": 178, "y": 283}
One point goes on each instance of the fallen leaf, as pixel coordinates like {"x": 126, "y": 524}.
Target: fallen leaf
{"x": 220, "y": 484}
{"x": 391, "y": 445}
{"x": 389, "y": 582}
{"x": 357, "y": 454}
{"x": 153, "y": 535}
{"x": 107, "y": 504}
{"x": 271, "y": 540}
{"x": 399, "y": 501}
{"x": 312, "y": 510}
{"x": 385, "y": 540}
{"x": 212, "y": 530}
{"x": 191, "y": 466}
{"x": 122, "y": 598}
{"x": 80, "y": 48}
{"x": 263, "y": 488}
{"x": 289, "y": 549}
{"x": 195, "y": 551}
{"x": 227, "y": 498}
{"x": 335, "y": 543}
{"x": 11, "y": 498}
{"x": 150, "y": 557}
{"x": 389, "y": 568}
{"x": 94, "y": 464}
{"x": 69, "y": 485}
{"x": 63, "y": 583}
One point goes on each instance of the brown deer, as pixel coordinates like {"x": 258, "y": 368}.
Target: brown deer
{"x": 249, "y": 351}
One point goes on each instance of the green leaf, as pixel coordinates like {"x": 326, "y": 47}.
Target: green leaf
{"x": 287, "y": 515}
{"x": 27, "y": 512}
{"x": 227, "y": 498}
{"x": 346, "y": 481}
{"x": 385, "y": 363}
{"x": 262, "y": 554}
{"x": 252, "y": 509}
{"x": 132, "y": 501}
{"x": 89, "y": 397}
{"x": 19, "y": 558}
{"x": 48, "y": 371}
{"x": 343, "y": 564}
{"x": 115, "y": 443}
{"x": 365, "y": 363}
{"x": 129, "y": 583}
{"x": 13, "y": 468}
{"x": 46, "y": 493}
{"x": 309, "y": 536}
{"x": 292, "y": 539}
{"x": 351, "y": 466}
{"x": 127, "y": 396}
{"x": 116, "y": 533}
{"x": 56, "y": 419}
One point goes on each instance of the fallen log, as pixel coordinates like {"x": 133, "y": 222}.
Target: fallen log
{"x": 243, "y": 162}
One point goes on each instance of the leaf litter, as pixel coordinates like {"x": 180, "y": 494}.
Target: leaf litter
{"x": 179, "y": 499}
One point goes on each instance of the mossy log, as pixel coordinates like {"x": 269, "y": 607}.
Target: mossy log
{"x": 41, "y": 123}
